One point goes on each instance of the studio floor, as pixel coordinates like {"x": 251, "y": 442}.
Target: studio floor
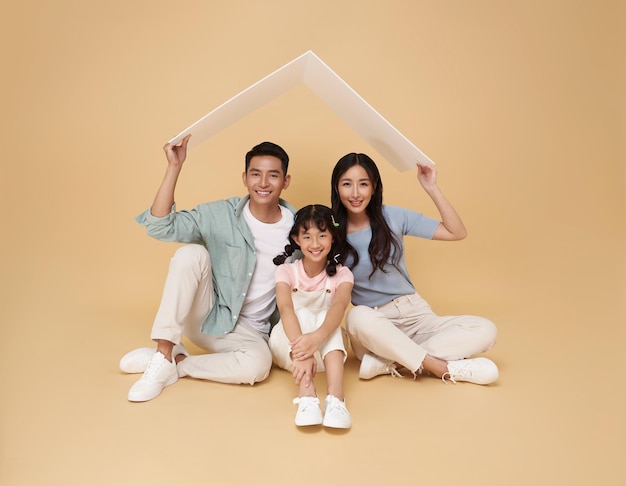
{"x": 554, "y": 417}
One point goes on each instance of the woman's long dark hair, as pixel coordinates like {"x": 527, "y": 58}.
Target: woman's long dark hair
{"x": 322, "y": 218}
{"x": 384, "y": 244}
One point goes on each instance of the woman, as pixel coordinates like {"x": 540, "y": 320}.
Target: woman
{"x": 390, "y": 324}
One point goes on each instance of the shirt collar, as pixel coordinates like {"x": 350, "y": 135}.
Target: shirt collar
{"x": 246, "y": 198}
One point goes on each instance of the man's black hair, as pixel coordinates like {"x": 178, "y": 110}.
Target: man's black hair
{"x": 269, "y": 148}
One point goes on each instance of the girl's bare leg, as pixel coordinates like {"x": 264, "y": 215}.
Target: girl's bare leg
{"x": 333, "y": 362}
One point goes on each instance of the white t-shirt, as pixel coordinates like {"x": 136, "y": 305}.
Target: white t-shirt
{"x": 269, "y": 241}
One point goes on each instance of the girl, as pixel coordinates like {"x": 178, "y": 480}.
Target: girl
{"x": 390, "y": 322}
{"x": 312, "y": 295}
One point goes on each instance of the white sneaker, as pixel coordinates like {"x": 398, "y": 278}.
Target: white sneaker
{"x": 481, "y": 371}
{"x": 159, "y": 374}
{"x": 309, "y": 412}
{"x": 336, "y": 414}
{"x": 136, "y": 361}
{"x": 372, "y": 366}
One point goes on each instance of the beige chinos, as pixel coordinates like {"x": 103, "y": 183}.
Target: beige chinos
{"x": 405, "y": 330}
{"x": 241, "y": 356}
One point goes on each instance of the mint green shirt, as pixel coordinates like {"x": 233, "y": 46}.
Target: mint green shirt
{"x": 219, "y": 226}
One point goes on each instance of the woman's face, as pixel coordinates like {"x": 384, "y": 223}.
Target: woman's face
{"x": 355, "y": 190}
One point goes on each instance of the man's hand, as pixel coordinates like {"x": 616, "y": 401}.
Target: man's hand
{"x": 176, "y": 154}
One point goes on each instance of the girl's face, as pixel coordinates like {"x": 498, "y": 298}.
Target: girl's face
{"x": 355, "y": 190}
{"x": 314, "y": 244}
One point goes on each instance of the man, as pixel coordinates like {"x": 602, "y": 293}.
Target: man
{"x": 219, "y": 290}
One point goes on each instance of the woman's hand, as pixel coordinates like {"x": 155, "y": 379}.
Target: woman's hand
{"x": 451, "y": 227}
{"x": 427, "y": 176}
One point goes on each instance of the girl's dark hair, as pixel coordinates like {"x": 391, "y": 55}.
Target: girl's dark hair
{"x": 384, "y": 243}
{"x": 322, "y": 218}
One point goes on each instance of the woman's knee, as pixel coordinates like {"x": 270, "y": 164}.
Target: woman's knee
{"x": 357, "y": 318}
{"x": 489, "y": 332}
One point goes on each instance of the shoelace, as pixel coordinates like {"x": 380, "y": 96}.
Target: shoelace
{"x": 153, "y": 369}
{"x": 306, "y": 402}
{"x": 450, "y": 378}
{"x": 336, "y": 404}
{"x": 462, "y": 371}
{"x": 394, "y": 372}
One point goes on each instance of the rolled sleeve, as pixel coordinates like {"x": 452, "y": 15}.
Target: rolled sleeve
{"x": 176, "y": 226}
{"x": 146, "y": 218}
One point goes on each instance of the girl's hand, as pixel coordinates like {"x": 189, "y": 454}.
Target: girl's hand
{"x": 304, "y": 370}
{"x": 304, "y": 346}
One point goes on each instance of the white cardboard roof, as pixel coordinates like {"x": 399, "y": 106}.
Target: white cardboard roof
{"x": 330, "y": 88}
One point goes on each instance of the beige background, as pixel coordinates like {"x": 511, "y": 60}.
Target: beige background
{"x": 520, "y": 103}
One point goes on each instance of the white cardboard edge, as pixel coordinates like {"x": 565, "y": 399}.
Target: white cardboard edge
{"x": 309, "y": 69}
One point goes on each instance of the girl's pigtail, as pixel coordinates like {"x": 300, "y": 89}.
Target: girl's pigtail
{"x": 280, "y": 259}
{"x": 331, "y": 268}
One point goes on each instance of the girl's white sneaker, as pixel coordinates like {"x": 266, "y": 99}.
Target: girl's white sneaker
{"x": 336, "y": 414}
{"x": 309, "y": 412}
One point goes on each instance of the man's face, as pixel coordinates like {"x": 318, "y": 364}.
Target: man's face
{"x": 265, "y": 180}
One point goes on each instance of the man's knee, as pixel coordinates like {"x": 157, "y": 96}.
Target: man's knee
{"x": 191, "y": 251}
{"x": 256, "y": 366}
{"x": 191, "y": 255}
